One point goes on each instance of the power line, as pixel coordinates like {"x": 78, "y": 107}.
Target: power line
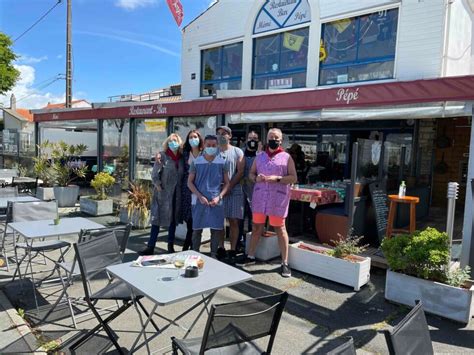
{"x": 33, "y": 25}
{"x": 40, "y": 88}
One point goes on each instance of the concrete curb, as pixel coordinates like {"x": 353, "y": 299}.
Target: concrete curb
{"x": 19, "y": 324}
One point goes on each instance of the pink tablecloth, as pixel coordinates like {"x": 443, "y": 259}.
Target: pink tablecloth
{"x": 320, "y": 196}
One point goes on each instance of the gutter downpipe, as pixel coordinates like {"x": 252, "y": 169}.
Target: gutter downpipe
{"x": 447, "y": 25}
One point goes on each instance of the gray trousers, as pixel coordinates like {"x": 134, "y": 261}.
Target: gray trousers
{"x": 215, "y": 237}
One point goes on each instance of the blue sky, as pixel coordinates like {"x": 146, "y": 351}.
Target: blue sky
{"x": 120, "y": 47}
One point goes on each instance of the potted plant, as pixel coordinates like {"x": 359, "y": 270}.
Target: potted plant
{"x": 45, "y": 172}
{"x": 137, "y": 206}
{"x": 339, "y": 264}
{"x": 420, "y": 270}
{"x": 62, "y": 162}
{"x": 99, "y": 204}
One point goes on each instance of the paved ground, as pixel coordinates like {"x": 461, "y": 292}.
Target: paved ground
{"x": 317, "y": 312}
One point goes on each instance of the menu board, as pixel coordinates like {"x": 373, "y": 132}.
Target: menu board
{"x": 380, "y": 203}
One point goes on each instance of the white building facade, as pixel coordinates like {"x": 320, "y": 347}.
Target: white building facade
{"x": 286, "y": 44}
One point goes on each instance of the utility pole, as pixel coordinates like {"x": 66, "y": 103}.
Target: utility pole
{"x": 69, "y": 55}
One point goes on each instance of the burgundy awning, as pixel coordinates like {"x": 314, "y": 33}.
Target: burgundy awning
{"x": 395, "y": 93}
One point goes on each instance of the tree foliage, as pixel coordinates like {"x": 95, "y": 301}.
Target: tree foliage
{"x": 8, "y": 74}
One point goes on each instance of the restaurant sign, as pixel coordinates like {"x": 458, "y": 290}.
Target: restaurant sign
{"x": 276, "y": 14}
{"x": 147, "y": 110}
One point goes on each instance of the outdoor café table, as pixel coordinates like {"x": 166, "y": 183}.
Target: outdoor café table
{"x": 4, "y": 200}
{"x": 320, "y": 196}
{"x": 148, "y": 281}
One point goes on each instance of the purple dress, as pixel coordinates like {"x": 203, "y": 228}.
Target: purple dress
{"x": 271, "y": 199}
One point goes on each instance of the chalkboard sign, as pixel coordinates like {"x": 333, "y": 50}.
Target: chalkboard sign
{"x": 380, "y": 203}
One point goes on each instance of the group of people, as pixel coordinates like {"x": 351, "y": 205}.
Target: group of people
{"x": 205, "y": 180}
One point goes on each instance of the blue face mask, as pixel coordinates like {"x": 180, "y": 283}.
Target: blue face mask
{"x": 210, "y": 151}
{"x": 173, "y": 145}
{"x": 194, "y": 142}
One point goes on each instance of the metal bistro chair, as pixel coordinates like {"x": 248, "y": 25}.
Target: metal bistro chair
{"x": 93, "y": 256}
{"x": 411, "y": 335}
{"x": 71, "y": 269}
{"x": 232, "y": 327}
{"x": 25, "y": 187}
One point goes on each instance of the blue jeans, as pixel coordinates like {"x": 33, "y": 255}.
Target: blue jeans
{"x": 155, "y": 230}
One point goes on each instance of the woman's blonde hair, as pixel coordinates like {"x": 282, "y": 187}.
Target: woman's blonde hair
{"x": 166, "y": 141}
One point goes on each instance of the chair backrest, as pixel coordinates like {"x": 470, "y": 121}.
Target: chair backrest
{"x": 34, "y": 211}
{"x": 240, "y": 322}
{"x": 411, "y": 335}
{"x": 25, "y": 187}
{"x": 122, "y": 233}
{"x": 9, "y": 191}
{"x": 346, "y": 348}
{"x": 94, "y": 255}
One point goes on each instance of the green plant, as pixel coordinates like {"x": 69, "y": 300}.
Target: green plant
{"x": 101, "y": 182}
{"x": 424, "y": 254}
{"x": 347, "y": 246}
{"x": 21, "y": 312}
{"x": 458, "y": 276}
{"x": 58, "y": 163}
{"x": 139, "y": 201}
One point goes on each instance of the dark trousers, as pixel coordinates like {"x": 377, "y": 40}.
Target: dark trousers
{"x": 188, "y": 242}
{"x": 155, "y": 230}
{"x": 248, "y": 214}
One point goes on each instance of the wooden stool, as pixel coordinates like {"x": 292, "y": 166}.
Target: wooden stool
{"x": 394, "y": 200}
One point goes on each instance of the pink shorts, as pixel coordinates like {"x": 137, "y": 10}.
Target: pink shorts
{"x": 260, "y": 218}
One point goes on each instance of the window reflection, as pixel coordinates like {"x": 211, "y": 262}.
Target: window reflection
{"x": 205, "y": 125}
{"x": 116, "y": 149}
{"x": 149, "y": 137}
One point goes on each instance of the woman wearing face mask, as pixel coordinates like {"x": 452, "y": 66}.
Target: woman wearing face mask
{"x": 273, "y": 172}
{"x": 166, "y": 202}
{"x": 192, "y": 149}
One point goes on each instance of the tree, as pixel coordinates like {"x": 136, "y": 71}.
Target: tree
{"x": 8, "y": 74}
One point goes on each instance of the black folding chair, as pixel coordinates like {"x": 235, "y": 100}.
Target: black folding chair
{"x": 25, "y": 187}
{"x": 346, "y": 348}
{"x": 71, "y": 269}
{"x": 93, "y": 256}
{"x": 411, "y": 335}
{"x": 233, "y": 327}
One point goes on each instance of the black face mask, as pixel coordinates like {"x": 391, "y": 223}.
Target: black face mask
{"x": 252, "y": 144}
{"x": 273, "y": 144}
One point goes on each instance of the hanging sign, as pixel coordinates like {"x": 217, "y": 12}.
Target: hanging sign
{"x": 292, "y": 42}
{"x": 176, "y": 9}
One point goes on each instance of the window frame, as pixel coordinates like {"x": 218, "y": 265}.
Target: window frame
{"x": 355, "y": 63}
{"x": 279, "y": 73}
{"x": 221, "y": 61}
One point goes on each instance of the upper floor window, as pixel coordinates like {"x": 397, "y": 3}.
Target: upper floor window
{"x": 221, "y": 69}
{"x": 280, "y": 60}
{"x": 358, "y": 49}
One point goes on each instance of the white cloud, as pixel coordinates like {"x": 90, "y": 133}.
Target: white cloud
{"x": 25, "y": 92}
{"x": 133, "y": 41}
{"x": 59, "y": 56}
{"x": 26, "y": 59}
{"x": 133, "y": 4}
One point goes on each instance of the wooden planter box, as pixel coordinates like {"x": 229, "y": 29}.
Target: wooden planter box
{"x": 134, "y": 219}
{"x": 443, "y": 300}
{"x": 267, "y": 248}
{"x": 354, "y": 274}
{"x": 96, "y": 207}
{"x": 45, "y": 193}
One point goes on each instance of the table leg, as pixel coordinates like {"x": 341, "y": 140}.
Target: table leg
{"x": 412, "y": 218}
{"x": 144, "y": 325}
{"x": 391, "y": 218}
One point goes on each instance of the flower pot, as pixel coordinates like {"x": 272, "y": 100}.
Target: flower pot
{"x": 66, "y": 195}
{"x": 134, "y": 219}
{"x": 96, "y": 207}
{"x": 354, "y": 273}
{"x": 267, "y": 247}
{"x": 45, "y": 193}
{"x": 443, "y": 300}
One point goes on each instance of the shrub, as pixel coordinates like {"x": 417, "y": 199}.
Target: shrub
{"x": 347, "y": 246}
{"x": 457, "y": 277}
{"x": 101, "y": 182}
{"x": 424, "y": 254}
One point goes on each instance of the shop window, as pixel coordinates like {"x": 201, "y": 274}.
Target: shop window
{"x": 205, "y": 125}
{"x": 221, "y": 69}
{"x": 358, "y": 49}
{"x": 116, "y": 133}
{"x": 150, "y": 134}
{"x": 280, "y": 60}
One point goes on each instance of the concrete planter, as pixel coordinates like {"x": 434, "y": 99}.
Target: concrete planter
{"x": 443, "y": 300}
{"x": 66, "y": 195}
{"x": 351, "y": 273}
{"x": 45, "y": 193}
{"x": 134, "y": 219}
{"x": 267, "y": 248}
{"x": 96, "y": 207}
